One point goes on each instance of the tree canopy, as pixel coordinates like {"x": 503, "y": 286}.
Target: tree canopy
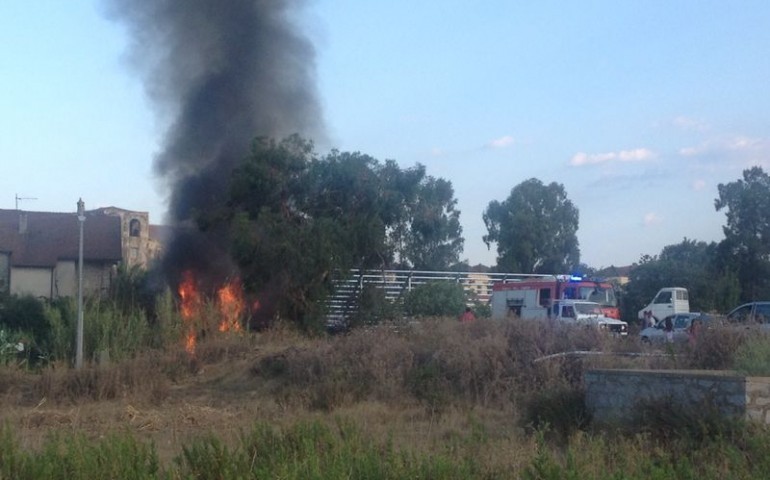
{"x": 296, "y": 219}
{"x": 746, "y": 246}
{"x": 690, "y": 264}
{"x": 534, "y": 229}
{"x": 432, "y": 238}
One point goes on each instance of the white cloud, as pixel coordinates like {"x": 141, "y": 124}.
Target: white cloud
{"x": 698, "y": 185}
{"x": 689, "y": 151}
{"x": 502, "y": 142}
{"x": 651, "y": 218}
{"x": 689, "y": 123}
{"x": 636, "y": 155}
{"x": 733, "y": 145}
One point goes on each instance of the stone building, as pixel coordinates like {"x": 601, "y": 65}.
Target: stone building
{"x": 138, "y": 247}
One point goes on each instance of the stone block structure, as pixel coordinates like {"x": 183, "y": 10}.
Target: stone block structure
{"x": 612, "y": 395}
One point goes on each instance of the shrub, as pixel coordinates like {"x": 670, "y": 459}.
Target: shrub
{"x": 436, "y": 299}
{"x": 716, "y": 348}
{"x": 428, "y": 383}
{"x": 753, "y": 357}
{"x": 374, "y": 307}
{"x": 694, "y": 423}
{"x": 559, "y": 412}
{"x": 26, "y": 314}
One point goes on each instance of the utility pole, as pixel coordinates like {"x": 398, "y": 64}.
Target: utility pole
{"x": 79, "y": 340}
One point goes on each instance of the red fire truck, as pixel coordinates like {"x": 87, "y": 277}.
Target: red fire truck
{"x": 535, "y": 297}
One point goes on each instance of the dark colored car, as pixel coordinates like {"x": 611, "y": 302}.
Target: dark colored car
{"x": 750, "y": 313}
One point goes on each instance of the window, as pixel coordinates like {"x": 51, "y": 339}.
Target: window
{"x": 134, "y": 228}
{"x": 740, "y": 315}
{"x": 545, "y": 297}
{"x": 762, "y": 313}
{"x": 681, "y": 322}
{"x": 663, "y": 297}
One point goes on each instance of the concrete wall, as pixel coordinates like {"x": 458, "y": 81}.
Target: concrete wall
{"x": 5, "y": 272}
{"x": 612, "y": 395}
{"x": 37, "y": 282}
{"x": 97, "y": 278}
{"x": 65, "y": 283}
{"x": 62, "y": 281}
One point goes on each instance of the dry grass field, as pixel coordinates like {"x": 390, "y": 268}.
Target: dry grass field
{"x": 478, "y": 393}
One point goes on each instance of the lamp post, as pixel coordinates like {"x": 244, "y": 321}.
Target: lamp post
{"x": 79, "y": 340}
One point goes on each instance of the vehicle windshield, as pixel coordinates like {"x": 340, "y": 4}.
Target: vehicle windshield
{"x": 604, "y": 296}
{"x": 682, "y": 322}
{"x": 588, "y": 308}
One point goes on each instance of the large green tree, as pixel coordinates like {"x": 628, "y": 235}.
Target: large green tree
{"x": 535, "y": 229}
{"x": 296, "y": 219}
{"x": 690, "y": 264}
{"x": 746, "y": 246}
{"x": 432, "y": 233}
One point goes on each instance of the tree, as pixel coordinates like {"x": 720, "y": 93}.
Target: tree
{"x": 747, "y": 234}
{"x": 433, "y": 239}
{"x": 281, "y": 252}
{"x": 690, "y": 264}
{"x": 295, "y": 220}
{"x": 534, "y": 228}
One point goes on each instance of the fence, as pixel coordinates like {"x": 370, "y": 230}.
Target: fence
{"x": 395, "y": 283}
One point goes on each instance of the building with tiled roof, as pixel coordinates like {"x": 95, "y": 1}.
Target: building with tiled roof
{"x": 39, "y": 250}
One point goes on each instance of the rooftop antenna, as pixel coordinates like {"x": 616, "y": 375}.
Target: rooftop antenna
{"x": 22, "y": 198}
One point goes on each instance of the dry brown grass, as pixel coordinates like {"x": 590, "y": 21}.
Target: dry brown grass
{"x": 429, "y": 386}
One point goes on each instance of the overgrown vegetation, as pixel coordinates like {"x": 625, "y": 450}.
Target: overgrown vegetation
{"x": 433, "y": 398}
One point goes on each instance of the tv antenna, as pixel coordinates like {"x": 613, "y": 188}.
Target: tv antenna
{"x": 23, "y": 198}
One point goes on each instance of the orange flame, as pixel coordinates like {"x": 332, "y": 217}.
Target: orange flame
{"x": 231, "y": 306}
{"x": 190, "y": 307}
{"x": 230, "y": 303}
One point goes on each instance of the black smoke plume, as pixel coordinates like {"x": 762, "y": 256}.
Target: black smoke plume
{"x": 219, "y": 72}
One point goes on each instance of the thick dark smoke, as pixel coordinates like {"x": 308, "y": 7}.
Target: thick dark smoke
{"x": 220, "y": 73}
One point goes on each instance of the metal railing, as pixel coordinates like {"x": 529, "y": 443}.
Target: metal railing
{"x": 395, "y": 283}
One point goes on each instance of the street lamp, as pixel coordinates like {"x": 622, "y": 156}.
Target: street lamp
{"x": 79, "y": 341}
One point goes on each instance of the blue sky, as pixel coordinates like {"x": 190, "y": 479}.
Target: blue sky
{"x": 639, "y": 108}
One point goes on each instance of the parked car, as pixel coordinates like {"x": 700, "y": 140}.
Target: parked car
{"x": 681, "y": 323}
{"x": 750, "y": 313}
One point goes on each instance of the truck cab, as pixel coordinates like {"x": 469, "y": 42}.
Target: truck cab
{"x": 668, "y": 301}
{"x": 580, "y": 312}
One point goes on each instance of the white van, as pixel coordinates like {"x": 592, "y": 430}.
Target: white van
{"x": 668, "y": 301}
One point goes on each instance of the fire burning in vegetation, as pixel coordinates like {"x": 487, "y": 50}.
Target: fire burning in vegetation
{"x": 230, "y": 305}
{"x": 189, "y": 306}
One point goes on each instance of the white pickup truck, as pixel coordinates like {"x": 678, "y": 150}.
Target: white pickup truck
{"x": 668, "y": 301}
{"x": 580, "y": 312}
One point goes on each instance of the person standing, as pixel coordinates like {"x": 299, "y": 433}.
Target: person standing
{"x": 649, "y": 320}
{"x": 467, "y": 316}
{"x": 694, "y": 331}
{"x": 669, "y": 329}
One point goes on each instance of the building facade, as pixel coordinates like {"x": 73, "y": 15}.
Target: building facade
{"x": 39, "y": 250}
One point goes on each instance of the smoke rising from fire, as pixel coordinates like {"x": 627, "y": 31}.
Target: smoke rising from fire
{"x": 219, "y": 73}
